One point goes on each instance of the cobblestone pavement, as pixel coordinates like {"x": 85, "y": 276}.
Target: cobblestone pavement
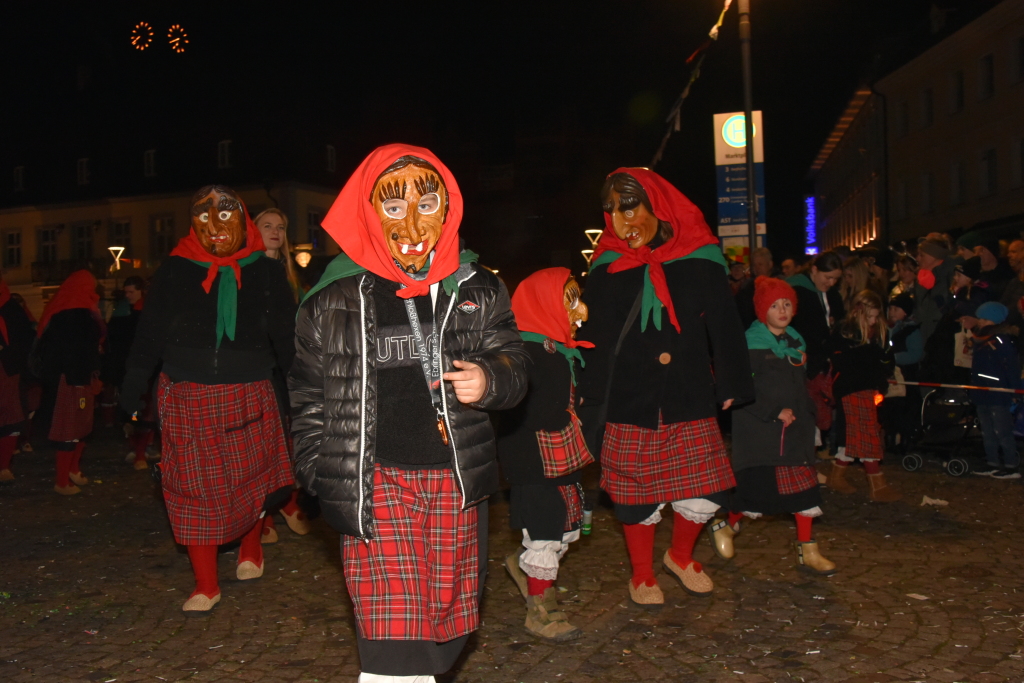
{"x": 91, "y": 588}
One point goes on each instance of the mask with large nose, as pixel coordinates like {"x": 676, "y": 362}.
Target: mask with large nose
{"x": 411, "y": 202}
{"x": 218, "y": 221}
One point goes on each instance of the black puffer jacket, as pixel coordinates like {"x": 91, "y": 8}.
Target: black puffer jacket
{"x": 333, "y": 389}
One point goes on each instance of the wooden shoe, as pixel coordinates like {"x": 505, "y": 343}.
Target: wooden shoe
{"x": 691, "y": 577}
{"x": 721, "y": 535}
{"x": 6, "y": 476}
{"x": 78, "y": 478}
{"x": 881, "y": 492}
{"x": 810, "y": 560}
{"x": 68, "y": 490}
{"x": 548, "y": 625}
{"x": 297, "y": 522}
{"x": 516, "y": 572}
{"x": 646, "y": 596}
{"x": 200, "y": 603}
{"x": 837, "y": 479}
{"x": 248, "y": 570}
{"x": 269, "y": 535}
{"x": 141, "y": 465}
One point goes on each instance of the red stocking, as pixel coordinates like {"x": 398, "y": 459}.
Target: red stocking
{"x": 291, "y": 507}
{"x": 251, "y": 549}
{"x": 871, "y": 466}
{"x": 77, "y": 457}
{"x": 537, "y": 586}
{"x": 684, "y": 536}
{"x": 268, "y": 523}
{"x": 7, "y": 446}
{"x": 640, "y": 543}
{"x": 64, "y": 458}
{"x": 734, "y": 518}
{"x": 140, "y": 442}
{"x": 204, "y": 567}
{"x": 803, "y": 527}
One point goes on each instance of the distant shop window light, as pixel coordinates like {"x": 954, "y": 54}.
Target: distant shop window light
{"x": 986, "y": 77}
{"x": 19, "y": 178}
{"x": 149, "y": 163}
{"x": 332, "y": 159}
{"x": 224, "y": 154}
{"x": 83, "y": 171}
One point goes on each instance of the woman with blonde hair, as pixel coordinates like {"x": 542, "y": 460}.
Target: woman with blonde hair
{"x": 856, "y": 278}
{"x": 273, "y": 225}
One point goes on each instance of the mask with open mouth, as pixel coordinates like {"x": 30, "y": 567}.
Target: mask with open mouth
{"x": 411, "y": 200}
{"x": 574, "y": 306}
{"x": 218, "y": 220}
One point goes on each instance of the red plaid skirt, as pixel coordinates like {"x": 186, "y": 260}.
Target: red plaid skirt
{"x": 73, "y": 412}
{"x": 564, "y": 451}
{"x": 863, "y": 434}
{"x": 224, "y": 451}
{"x": 11, "y": 412}
{"x": 820, "y": 389}
{"x": 790, "y": 480}
{"x": 33, "y": 395}
{"x": 417, "y": 578}
{"x": 572, "y": 496}
{"x": 674, "y": 462}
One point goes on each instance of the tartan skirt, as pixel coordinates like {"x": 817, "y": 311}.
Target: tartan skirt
{"x": 224, "y": 452}
{"x": 72, "y": 412}
{"x": 673, "y": 462}
{"x": 774, "y": 490}
{"x": 11, "y": 412}
{"x": 863, "y": 435}
{"x": 418, "y": 577}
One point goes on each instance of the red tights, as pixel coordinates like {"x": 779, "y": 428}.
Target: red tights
{"x": 204, "y": 567}
{"x": 7, "y": 445}
{"x": 251, "y": 549}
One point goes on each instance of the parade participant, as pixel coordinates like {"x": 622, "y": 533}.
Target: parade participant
{"x": 70, "y": 333}
{"x": 401, "y": 347}
{"x": 773, "y": 437}
{"x": 863, "y": 363}
{"x": 31, "y": 389}
{"x": 541, "y": 446}
{"x": 652, "y": 380}
{"x": 16, "y": 337}
{"x": 219, "y": 316}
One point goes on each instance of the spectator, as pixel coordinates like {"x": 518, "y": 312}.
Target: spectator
{"x": 737, "y": 276}
{"x": 761, "y": 264}
{"x": 789, "y": 268}
{"x": 931, "y": 293}
{"x": 995, "y": 364}
{"x": 1014, "y": 290}
{"x": 995, "y": 270}
{"x": 899, "y": 413}
{"x": 856, "y": 278}
{"x": 906, "y": 276}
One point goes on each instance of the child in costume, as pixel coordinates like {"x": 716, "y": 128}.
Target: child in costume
{"x": 541, "y": 446}
{"x": 16, "y": 335}
{"x": 401, "y": 348}
{"x": 773, "y": 437}
{"x": 220, "y": 316}
{"x": 863, "y": 362}
{"x": 651, "y": 383}
{"x": 995, "y": 364}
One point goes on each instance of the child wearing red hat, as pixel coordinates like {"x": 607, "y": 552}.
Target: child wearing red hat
{"x": 773, "y": 437}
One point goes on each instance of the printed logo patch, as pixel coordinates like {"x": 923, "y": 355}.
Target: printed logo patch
{"x": 468, "y": 307}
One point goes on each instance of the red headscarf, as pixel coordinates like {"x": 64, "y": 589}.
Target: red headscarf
{"x": 5, "y": 296}
{"x": 355, "y": 225}
{"x": 689, "y": 233}
{"x": 539, "y": 308}
{"x": 78, "y": 291}
{"x": 190, "y": 248}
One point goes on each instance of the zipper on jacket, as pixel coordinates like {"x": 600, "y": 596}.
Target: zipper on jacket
{"x": 362, "y": 405}
{"x": 444, "y": 405}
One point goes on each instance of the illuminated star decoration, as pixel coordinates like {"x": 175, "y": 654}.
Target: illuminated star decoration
{"x": 177, "y": 38}
{"x": 142, "y": 35}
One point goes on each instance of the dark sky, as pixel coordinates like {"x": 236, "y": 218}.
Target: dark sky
{"x": 491, "y": 73}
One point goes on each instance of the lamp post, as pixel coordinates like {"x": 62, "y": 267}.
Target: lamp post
{"x": 116, "y": 253}
{"x": 743, "y": 7}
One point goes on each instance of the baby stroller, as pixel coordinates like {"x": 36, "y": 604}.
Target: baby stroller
{"x": 948, "y": 430}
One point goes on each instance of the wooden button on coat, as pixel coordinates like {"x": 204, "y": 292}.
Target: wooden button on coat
{"x": 665, "y": 358}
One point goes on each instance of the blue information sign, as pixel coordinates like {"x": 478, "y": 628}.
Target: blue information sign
{"x": 732, "y": 199}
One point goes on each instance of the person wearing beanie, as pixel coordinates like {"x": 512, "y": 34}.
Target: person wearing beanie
{"x": 995, "y": 364}
{"x": 773, "y": 437}
{"x": 931, "y": 293}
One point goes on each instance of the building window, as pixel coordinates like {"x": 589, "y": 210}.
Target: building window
{"x": 986, "y": 77}
{"x": 903, "y": 120}
{"x": 12, "y": 249}
{"x": 224, "y": 154}
{"x": 956, "y": 92}
{"x": 82, "y": 241}
{"x": 121, "y": 235}
{"x": 83, "y": 171}
{"x": 927, "y": 193}
{"x": 987, "y": 181}
{"x": 19, "y": 178}
{"x": 957, "y": 183}
{"x": 927, "y": 108}
{"x": 161, "y": 236}
{"x": 149, "y": 163}
{"x": 313, "y": 218}
{"x": 332, "y": 159}
{"x": 48, "y": 245}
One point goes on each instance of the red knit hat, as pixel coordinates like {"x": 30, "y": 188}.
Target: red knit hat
{"x": 768, "y": 290}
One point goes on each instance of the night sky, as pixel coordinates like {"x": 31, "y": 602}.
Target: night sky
{"x": 597, "y": 77}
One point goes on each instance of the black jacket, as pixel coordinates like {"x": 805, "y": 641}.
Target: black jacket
{"x": 857, "y": 366}
{"x": 20, "y": 337}
{"x": 757, "y": 435}
{"x": 120, "y": 335}
{"x": 179, "y": 322}
{"x": 812, "y": 322}
{"x": 70, "y": 346}
{"x": 333, "y": 388}
{"x": 706, "y": 363}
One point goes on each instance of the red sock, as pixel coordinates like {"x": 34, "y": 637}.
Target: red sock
{"x": 204, "y": 567}
{"x": 64, "y": 459}
{"x": 140, "y": 442}
{"x": 734, "y": 518}
{"x": 291, "y": 507}
{"x": 803, "y": 527}
{"x": 871, "y": 466}
{"x": 7, "y": 446}
{"x": 77, "y": 457}
{"x": 537, "y": 586}
{"x": 268, "y": 523}
{"x": 684, "y": 536}
{"x": 640, "y": 544}
{"x": 251, "y": 549}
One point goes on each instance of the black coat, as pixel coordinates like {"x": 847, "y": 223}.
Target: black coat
{"x": 543, "y": 409}
{"x": 857, "y": 366}
{"x": 757, "y": 435}
{"x": 178, "y": 326}
{"x": 333, "y": 387}
{"x": 812, "y": 322}
{"x": 120, "y": 335}
{"x": 20, "y": 337}
{"x": 707, "y": 361}
{"x": 70, "y": 346}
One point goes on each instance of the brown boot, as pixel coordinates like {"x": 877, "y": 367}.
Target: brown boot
{"x": 881, "y": 492}
{"x": 812, "y": 561}
{"x": 550, "y": 625}
{"x": 837, "y": 479}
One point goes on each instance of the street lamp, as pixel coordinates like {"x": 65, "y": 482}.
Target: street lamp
{"x": 116, "y": 253}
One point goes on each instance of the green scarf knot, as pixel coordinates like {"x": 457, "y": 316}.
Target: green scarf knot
{"x": 227, "y": 296}
{"x": 571, "y": 355}
{"x": 760, "y": 337}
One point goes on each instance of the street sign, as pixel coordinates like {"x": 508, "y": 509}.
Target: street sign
{"x": 731, "y": 169}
